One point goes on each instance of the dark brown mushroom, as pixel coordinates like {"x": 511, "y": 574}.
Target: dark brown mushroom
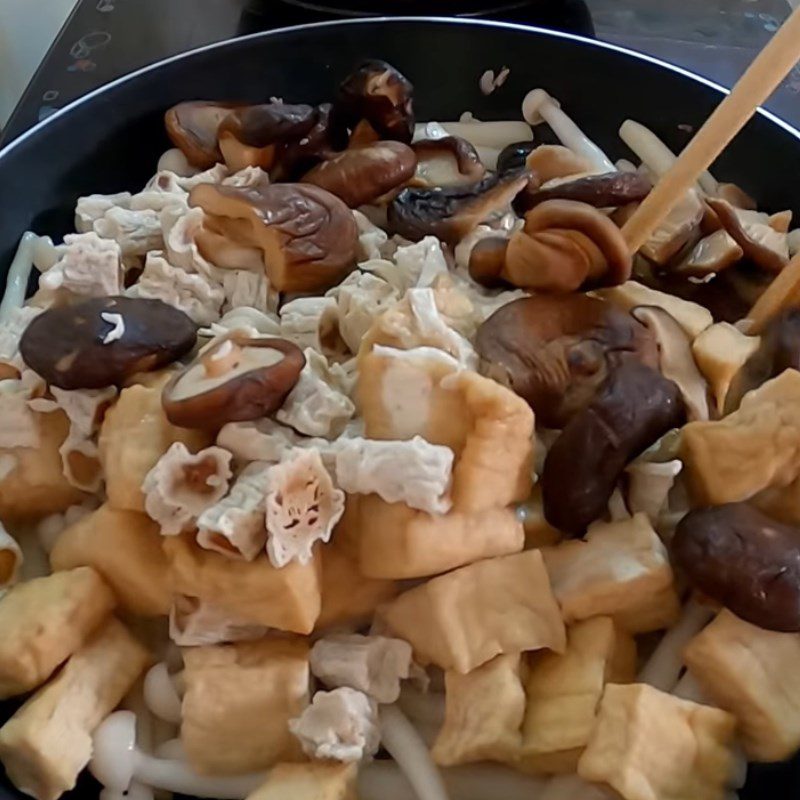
{"x": 451, "y": 213}
{"x": 381, "y": 95}
{"x": 556, "y": 350}
{"x": 633, "y": 408}
{"x": 363, "y": 174}
{"x": 745, "y": 560}
{"x": 306, "y": 237}
{"x": 192, "y": 127}
{"x": 486, "y": 260}
{"x": 295, "y": 157}
{"x": 103, "y": 341}
{"x": 449, "y": 161}
{"x": 610, "y": 190}
{"x": 513, "y": 156}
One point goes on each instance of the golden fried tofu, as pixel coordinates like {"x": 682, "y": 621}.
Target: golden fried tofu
{"x": 753, "y": 448}
{"x": 483, "y": 713}
{"x": 125, "y": 548}
{"x": 238, "y": 702}
{"x": 564, "y": 690}
{"x": 255, "y": 592}
{"x": 621, "y": 570}
{"x": 315, "y": 781}
{"x": 461, "y": 620}
{"x": 754, "y": 674}
{"x": 46, "y": 744}
{"x": 44, "y": 621}
{"x": 648, "y": 745}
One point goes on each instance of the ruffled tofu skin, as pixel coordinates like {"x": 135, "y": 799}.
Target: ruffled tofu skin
{"x": 621, "y": 570}
{"x": 46, "y": 744}
{"x": 648, "y": 745}
{"x": 317, "y": 781}
{"x": 44, "y": 621}
{"x": 564, "y": 691}
{"x": 461, "y": 620}
{"x": 754, "y": 674}
{"x": 238, "y": 702}
{"x": 125, "y": 548}
{"x": 288, "y": 598}
{"x": 36, "y": 486}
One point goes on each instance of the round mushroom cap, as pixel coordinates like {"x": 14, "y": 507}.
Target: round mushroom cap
{"x": 449, "y": 161}
{"x": 237, "y": 379}
{"x": 192, "y": 127}
{"x": 105, "y": 340}
{"x": 514, "y": 156}
{"x": 556, "y": 350}
{"x": 608, "y": 190}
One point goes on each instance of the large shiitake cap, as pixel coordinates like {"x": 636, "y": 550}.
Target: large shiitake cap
{"x": 192, "y": 127}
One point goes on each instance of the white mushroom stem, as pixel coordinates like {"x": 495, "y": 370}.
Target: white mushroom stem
{"x": 494, "y": 135}
{"x": 688, "y": 688}
{"x": 161, "y": 696}
{"x": 538, "y": 105}
{"x": 422, "y": 707}
{"x": 571, "y": 787}
{"x": 649, "y": 485}
{"x": 18, "y": 275}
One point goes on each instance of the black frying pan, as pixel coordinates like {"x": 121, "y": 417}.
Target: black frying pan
{"x": 110, "y": 140}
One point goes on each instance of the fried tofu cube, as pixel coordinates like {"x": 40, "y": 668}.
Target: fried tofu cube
{"x": 254, "y": 592}
{"x": 44, "y": 621}
{"x": 620, "y": 570}
{"x": 125, "y": 548}
{"x": 754, "y": 674}
{"x": 316, "y": 781}
{"x": 238, "y": 702}
{"x": 461, "y": 620}
{"x": 648, "y": 745}
{"x": 483, "y": 713}
{"x": 47, "y": 743}
{"x": 564, "y": 690}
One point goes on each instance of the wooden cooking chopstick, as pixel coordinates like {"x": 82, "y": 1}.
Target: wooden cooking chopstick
{"x": 762, "y": 77}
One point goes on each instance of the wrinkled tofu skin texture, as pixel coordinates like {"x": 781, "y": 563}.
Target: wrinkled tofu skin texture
{"x": 314, "y": 781}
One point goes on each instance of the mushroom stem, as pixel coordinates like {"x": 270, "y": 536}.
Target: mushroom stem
{"x": 688, "y": 688}
{"x": 18, "y": 275}
{"x": 538, "y": 103}
{"x": 161, "y": 696}
{"x": 222, "y": 360}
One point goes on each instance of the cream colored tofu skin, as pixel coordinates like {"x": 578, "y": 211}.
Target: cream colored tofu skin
{"x": 461, "y": 620}
{"x": 621, "y": 570}
{"x": 238, "y": 702}
{"x": 125, "y": 548}
{"x": 564, "y": 691}
{"x": 46, "y": 744}
{"x": 754, "y": 674}
{"x": 316, "y": 781}
{"x": 44, "y": 621}
{"x": 648, "y": 745}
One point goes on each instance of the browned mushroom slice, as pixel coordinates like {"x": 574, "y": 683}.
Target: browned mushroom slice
{"x": 450, "y": 161}
{"x": 451, "y": 213}
{"x": 361, "y": 175}
{"x": 736, "y": 196}
{"x": 235, "y": 380}
{"x": 486, "y": 260}
{"x": 565, "y": 245}
{"x": 710, "y": 255}
{"x": 307, "y": 236}
{"x": 192, "y": 127}
{"x": 556, "y": 350}
{"x": 551, "y": 161}
{"x": 680, "y": 229}
{"x": 610, "y": 190}
{"x": 758, "y": 252}
{"x": 295, "y": 157}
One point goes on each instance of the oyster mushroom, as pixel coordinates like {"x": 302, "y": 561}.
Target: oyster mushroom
{"x": 363, "y": 174}
{"x": 556, "y": 350}
{"x": 239, "y": 378}
{"x": 305, "y": 237}
{"x": 192, "y": 127}
{"x": 449, "y": 161}
{"x": 609, "y": 190}
{"x": 105, "y": 340}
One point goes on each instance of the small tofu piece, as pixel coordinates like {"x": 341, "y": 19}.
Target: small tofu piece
{"x": 483, "y": 714}
{"x": 125, "y": 548}
{"x": 754, "y": 674}
{"x": 648, "y": 745}
{"x": 44, "y": 621}
{"x": 238, "y": 702}
{"x": 620, "y": 570}
{"x": 47, "y": 743}
{"x": 315, "y": 781}
{"x": 461, "y": 620}
{"x": 564, "y": 691}
{"x": 252, "y": 591}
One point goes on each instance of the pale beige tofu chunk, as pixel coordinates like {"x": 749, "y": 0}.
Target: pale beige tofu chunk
{"x": 44, "y": 621}
{"x": 754, "y": 674}
{"x": 254, "y": 592}
{"x": 483, "y": 713}
{"x": 134, "y": 435}
{"x": 36, "y": 485}
{"x": 753, "y": 448}
{"x": 563, "y": 692}
{"x": 461, "y": 620}
{"x": 315, "y": 781}
{"x": 238, "y": 702}
{"x": 620, "y": 570}
{"x": 47, "y": 743}
{"x": 648, "y": 745}
{"x": 125, "y": 548}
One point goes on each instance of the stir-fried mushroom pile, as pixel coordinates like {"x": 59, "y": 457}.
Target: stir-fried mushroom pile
{"x": 357, "y": 457}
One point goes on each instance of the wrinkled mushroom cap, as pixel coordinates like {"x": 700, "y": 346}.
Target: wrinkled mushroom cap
{"x": 608, "y": 190}
{"x": 449, "y": 161}
{"x": 192, "y": 127}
